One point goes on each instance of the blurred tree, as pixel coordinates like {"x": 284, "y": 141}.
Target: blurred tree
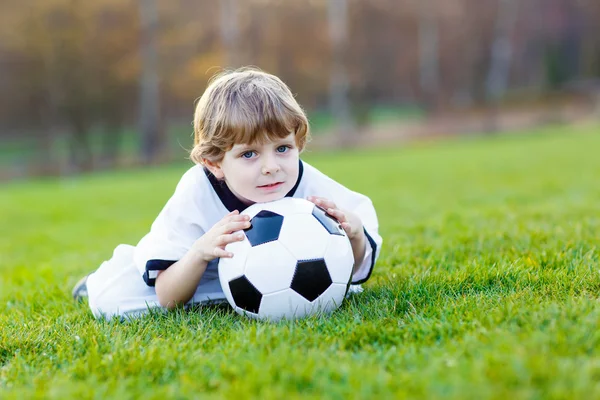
{"x": 116, "y": 69}
{"x": 428, "y": 53}
{"x": 496, "y": 82}
{"x": 70, "y": 70}
{"x": 150, "y": 122}
{"x": 229, "y": 31}
{"x": 338, "y": 85}
{"x": 29, "y": 113}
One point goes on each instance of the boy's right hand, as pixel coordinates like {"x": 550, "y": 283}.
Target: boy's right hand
{"x": 212, "y": 244}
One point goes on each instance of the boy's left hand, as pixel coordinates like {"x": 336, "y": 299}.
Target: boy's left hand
{"x": 350, "y": 222}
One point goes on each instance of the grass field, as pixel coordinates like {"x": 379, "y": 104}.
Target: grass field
{"x": 487, "y": 285}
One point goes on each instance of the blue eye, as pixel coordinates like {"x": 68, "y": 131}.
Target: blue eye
{"x": 247, "y": 154}
{"x": 282, "y": 149}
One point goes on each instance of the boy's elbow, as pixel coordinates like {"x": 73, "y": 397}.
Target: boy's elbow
{"x": 166, "y": 301}
{"x": 164, "y": 295}
{"x": 169, "y": 305}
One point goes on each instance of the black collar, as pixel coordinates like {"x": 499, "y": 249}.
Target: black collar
{"x": 228, "y": 198}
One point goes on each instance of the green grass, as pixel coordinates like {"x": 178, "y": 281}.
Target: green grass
{"x": 487, "y": 285}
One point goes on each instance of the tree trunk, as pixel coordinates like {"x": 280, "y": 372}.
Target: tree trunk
{"x": 149, "y": 118}
{"x": 338, "y": 80}
{"x": 80, "y": 150}
{"x": 428, "y": 54}
{"x": 229, "y": 31}
{"x": 111, "y": 138}
{"x": 499, "y": 72}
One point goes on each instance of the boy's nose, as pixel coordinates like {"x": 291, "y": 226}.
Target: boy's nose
{"x": 270, "y": 167}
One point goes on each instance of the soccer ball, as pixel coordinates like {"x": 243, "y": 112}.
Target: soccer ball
{"x": 294, "y": 261}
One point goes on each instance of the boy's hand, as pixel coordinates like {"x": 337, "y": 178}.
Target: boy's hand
{"x": 350, "y": 222}
{"x": 212, "y": 244}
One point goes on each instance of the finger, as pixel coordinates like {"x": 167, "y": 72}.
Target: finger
{"x": 236, "y": 217}
{"x": 221, "y": 253}
{"x": 315, "y": 199}
{"x": 231, "y": 214}
{"x": 224, "y": 240}
{"x": 337, "y": 214}
{"x": 325, "y": 203}
{"x": 347, "y": 228}
{"x": 225, "y": 219}
{"x": 234, "y": 226}
{"x": 229, "y": 219}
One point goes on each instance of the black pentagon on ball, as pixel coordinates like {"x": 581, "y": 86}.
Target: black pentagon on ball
{"x": 311, "y": 278}
{"x": 245, "y": 295}
{"x": 330, "y": 223}
{"x": 265, "y": 227}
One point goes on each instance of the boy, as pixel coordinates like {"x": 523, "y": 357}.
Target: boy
{"x": 249, "y": 131}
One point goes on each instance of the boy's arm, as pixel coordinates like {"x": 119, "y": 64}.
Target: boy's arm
{"x": 359, "y": 249}
{"x": 366, "y": 250}
{"x": 355, "y": 230}
{"x": 365, "y": 211}
{"x": 177, "y": 284}
{"x": 353, "y": 226}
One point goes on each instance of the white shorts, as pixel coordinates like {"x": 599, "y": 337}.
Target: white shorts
{"x": 118, "y": 289}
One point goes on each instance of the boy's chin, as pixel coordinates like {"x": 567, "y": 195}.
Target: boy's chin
{"x": 268, "y": 198}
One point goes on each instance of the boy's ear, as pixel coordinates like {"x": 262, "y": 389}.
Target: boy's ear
{"x": 214, "y": 168}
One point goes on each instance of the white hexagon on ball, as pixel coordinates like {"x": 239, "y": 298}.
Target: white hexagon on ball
{"x": 339, "y": 259}
{"x": 284, "y": 304}
{"x": 285, "y": 206}
{"x": 304, "y": 236}
{"x": 270, "y": 267}
{"x": 331, "y": 299}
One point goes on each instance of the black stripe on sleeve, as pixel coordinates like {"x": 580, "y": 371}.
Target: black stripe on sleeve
{"x": 155, "y": 265}
{"x": 373, "y": 255}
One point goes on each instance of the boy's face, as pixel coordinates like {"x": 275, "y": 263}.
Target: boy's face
{"x": 259, "y": 173}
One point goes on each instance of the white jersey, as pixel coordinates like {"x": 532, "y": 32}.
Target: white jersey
{"x": 200, "y": 201}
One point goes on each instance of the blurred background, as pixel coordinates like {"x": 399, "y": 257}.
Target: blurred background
{"x": 89, "y": 85}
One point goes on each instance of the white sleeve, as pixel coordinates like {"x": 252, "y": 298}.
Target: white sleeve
{"x": 359, "y": 204}
{"x": 174, "y": 230}
{"x": 366, "y": 212}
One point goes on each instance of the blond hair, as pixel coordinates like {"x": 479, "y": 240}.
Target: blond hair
{"x": 243, "y": 107}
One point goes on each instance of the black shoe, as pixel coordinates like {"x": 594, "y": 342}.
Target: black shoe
{"x": 80, "y": 289}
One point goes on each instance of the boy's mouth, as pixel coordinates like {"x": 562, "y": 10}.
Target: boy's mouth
{"x": 271, "y": 185}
